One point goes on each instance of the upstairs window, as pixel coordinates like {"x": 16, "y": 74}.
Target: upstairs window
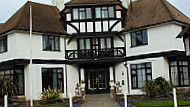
{"x": 105, "y": 12}
{"x": 75, "y": 14}
{"x": 51, "y": 43}
{"x": 139, "y": 38}
{"x": 82, "y": 13}
{"x": 3, "y": 44}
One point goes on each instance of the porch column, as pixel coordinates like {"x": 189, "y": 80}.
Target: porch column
{"x": 111, "y": 73}
{"x": 82, "y": 74}
{"x": 83, "y": 92}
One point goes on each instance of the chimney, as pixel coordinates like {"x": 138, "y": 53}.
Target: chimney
{"x": 126, "y": 3}
{"x": 59, "y": 4}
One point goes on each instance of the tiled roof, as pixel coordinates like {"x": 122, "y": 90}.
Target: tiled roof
{"x": 46, "y": 19}
{"x": 151, "y": 12}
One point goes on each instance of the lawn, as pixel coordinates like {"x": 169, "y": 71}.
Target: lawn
{"x": 161, "y": 103}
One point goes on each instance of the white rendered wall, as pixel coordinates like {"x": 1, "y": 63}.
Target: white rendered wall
{"x": 161, "y": 38}
{"x": 19, "y": 48}
{"x": 119, "y": 68}
{"x": 37, "y": 79}
{"x": 160, "y": 68}
{"x": 118, "y": 42}
{"x": 11, "y": 48}
{"x": 72, "y": 78}
{"x": 72, "y": 45}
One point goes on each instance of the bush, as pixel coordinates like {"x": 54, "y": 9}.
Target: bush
{"x": 158, "y": 88}
{"x": 8, "y": 87}
{"x": 50, "y": 95}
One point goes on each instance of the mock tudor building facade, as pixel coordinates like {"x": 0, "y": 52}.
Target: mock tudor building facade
{"x": 96, "y": 41}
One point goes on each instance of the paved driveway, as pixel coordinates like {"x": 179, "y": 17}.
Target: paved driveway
{"x": 99, "y": 100}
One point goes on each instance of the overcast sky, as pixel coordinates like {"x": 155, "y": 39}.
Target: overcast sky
{"x": 9, "y": 7}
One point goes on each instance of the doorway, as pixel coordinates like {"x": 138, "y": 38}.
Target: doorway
{"x": 97, "y": 80}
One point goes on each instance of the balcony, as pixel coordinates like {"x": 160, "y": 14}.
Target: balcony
{"x": 95, "y": 53}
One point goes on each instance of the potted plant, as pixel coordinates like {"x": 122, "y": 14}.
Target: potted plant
{"x": 82, "y": 82}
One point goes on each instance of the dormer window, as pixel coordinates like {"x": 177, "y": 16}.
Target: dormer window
{"x": 105, "y": 12}
{"x": 82, "y": 13}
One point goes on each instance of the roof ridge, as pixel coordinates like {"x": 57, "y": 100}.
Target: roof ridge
{"x": 41, "y": 4}
{"x": 172, "y": 16}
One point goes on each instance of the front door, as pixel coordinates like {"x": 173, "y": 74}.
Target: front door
{"x": 97, "y": 81}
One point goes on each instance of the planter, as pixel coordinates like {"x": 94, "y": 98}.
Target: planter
{"x": 83, "y": 85}
{"x": 111, "y": 84}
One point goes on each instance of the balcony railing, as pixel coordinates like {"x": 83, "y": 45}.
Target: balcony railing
{"x": 95, "y": 53}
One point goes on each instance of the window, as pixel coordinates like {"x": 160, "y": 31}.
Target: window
{"x": 139, "y": 38}
{"x": 105, "y": 12}
{"x": 82, "y": 13}
{"x": 51, "y": 43}
{"x": 88, "y": 13}
{"x": 95, "y": 43}
{"x": 52, "y": 77}
{"x": 105, "y": 43}
{"x": 75, "y": 14}
{"x": 140, "y": 73}
{"x": 179, "y": 73}
{"x": 84, "y": 44}
{"x": 17, "y": 76}
{"x": 3, "y": 44}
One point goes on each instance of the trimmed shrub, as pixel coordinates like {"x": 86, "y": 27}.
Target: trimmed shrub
{"x": 50, "y": 95}
{"x": 158, "y": 88}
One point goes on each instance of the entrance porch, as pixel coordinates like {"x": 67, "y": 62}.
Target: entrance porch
{"x": 97, "y": 78}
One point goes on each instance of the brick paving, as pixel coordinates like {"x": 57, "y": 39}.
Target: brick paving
{"x": 99, "y": 100}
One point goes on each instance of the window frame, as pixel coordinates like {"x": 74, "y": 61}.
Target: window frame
{"x": 108, "y": 12}
{"x": 99, "y": 43}
{"x": 142, "y": 36}
{"x": 48, "y": 48}
{"x": 80, "y": 11}
{"x": 14, "y": 75}
{"x": 52, "y": 75}
{"x": 136, "y": 74}
{"x": 179, "y": 72}
{"x": 5, "y": 44}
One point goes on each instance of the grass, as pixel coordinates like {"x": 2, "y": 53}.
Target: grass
{"x": 161, "y": 103}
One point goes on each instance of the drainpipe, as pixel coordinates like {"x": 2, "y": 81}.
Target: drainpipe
{"x": 126, "y": 63}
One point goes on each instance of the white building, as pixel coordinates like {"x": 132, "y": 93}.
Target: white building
{"x": 96, "y": 41}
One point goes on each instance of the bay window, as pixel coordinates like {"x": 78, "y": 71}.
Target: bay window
{"x": 17, "y": 76}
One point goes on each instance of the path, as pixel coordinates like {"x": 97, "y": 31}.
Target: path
{"x": 99, "y": 100}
